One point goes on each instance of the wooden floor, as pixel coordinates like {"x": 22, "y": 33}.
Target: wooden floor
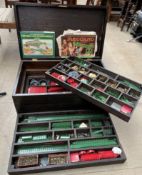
{"x": 119, "y": 56}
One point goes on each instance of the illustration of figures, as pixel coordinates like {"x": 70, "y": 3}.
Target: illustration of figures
{"x": 64, "y": 48}
{"x": 71, "y": 49}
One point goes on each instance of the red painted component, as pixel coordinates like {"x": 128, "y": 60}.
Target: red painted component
{"x": 56, "y": 89}
{"x": 126, "y": 109}
{"x": 74, "y": 157}
{"x": 37, "y": 89}
{"x": 90, "y": 151}
{"x": 52, "y": 83}
{"x": 89, "y": 157}
{"x": 100, "y": 89}
{"x": 75, "y": 84}
{"x": 107, "y": 154}
{"x": 82, "y": 152}
{"x": 54, "y": 74}
{"x": 72, "y": 82}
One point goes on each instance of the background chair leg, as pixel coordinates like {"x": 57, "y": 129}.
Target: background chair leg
{"x": 134, "y": 39}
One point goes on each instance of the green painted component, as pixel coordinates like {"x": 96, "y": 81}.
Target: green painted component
{"x": 26, "y": 138}
{"x": 39, "y": 137}
{"x": 126, "y": 100}
{"x": 40, "y": 149}
{"x": 30, "y": 119}
{"x": 131, "y": 85}
{"x": 64, "y": 136}
{"x": 93, "y": 143}
{"x": 97, "y": 133}
{"x": 33, "y": 128}
{"x": 112, "y": 93}
{"x": 107, "y": 123}
{"x": 83, "y": 89}
{"x": 99, "y": 97}
{"x": 81, "y": 62}
{"x": 33, "y": 138}
{"x": 96, "y": 123}
{"x": 61, "y": 125}
{"x": 108, "y": 132}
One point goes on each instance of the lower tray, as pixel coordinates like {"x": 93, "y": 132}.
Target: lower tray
{"x": 64, "y": 139}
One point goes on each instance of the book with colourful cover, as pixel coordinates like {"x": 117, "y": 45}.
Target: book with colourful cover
{"x": 38, "y": 44}
{"x": 78, "y": 45}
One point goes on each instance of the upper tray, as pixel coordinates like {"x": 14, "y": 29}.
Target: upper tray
{"x": 112, "y": 92}
{"x": 39, "y": 17}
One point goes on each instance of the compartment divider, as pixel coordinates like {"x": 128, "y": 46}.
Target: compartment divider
{"x": 32, "y": 123}
{"x": 75, "y": 133}
{"x": 53, "y": 135}
{"x": 49, "y": 125}
{"x": 69, "y": 148}
{"x": 72, "y": 125}
{"x": 43, "y": 153}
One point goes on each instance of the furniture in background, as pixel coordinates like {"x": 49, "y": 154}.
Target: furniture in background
{"x": 113, "y": 6}
{"x": 7, "y": 20}
{"x": 10, "y": 3}
{"x": 70, "y": 2}
{"x": 127, "y": 14}
{"x": 114, "y": 9}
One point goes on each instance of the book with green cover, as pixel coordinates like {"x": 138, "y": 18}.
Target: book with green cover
{"x": 38, "y": 44}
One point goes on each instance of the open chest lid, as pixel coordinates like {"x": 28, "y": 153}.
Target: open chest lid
{"x": 41, "y": 17}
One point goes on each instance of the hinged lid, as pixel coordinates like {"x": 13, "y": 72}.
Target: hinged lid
{"x": 39, "y": 17}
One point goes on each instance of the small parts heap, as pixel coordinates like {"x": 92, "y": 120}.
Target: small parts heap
{"x": 55, "y": 159}
{"x": 108, "y": 90}
{"x": 64, "y": 139}
{"x": 41, "y": 85}
{"x": 27, "y": 161}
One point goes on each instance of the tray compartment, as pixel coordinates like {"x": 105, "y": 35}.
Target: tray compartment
{"x": 61, "y": 125}
{"x": 112, "y": 83}
{"x": 92, "y": 155}
{"x": 33, "y": 127}
{"x": 112, "y": 92}
{"x": 134, "y": 93}
{"x": 100, "y": 96}
{"x": 63, "y": 135}
{"x": 106, "y": 89}
{"x": 85, "y": 88}
{"x": 81, "y": 124}
{"x": 129, "y": 83}
{"x": 83, "y": 133}
{"x": 128, "y": 100}
{"x": 102, "y": 78}
{"x": 66, "y": 138}
{"x": 92, "y": 143}
{"x": 98, "y": 85}
{"x": 120, "y": 106}
{"x": 43, "y": 147}
{"x": 34, "y": 137}
{"x": 122, "y": 88}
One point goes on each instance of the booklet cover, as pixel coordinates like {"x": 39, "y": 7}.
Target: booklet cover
{"x": 78, "y": 45}
{"x": 38, "y": 44}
